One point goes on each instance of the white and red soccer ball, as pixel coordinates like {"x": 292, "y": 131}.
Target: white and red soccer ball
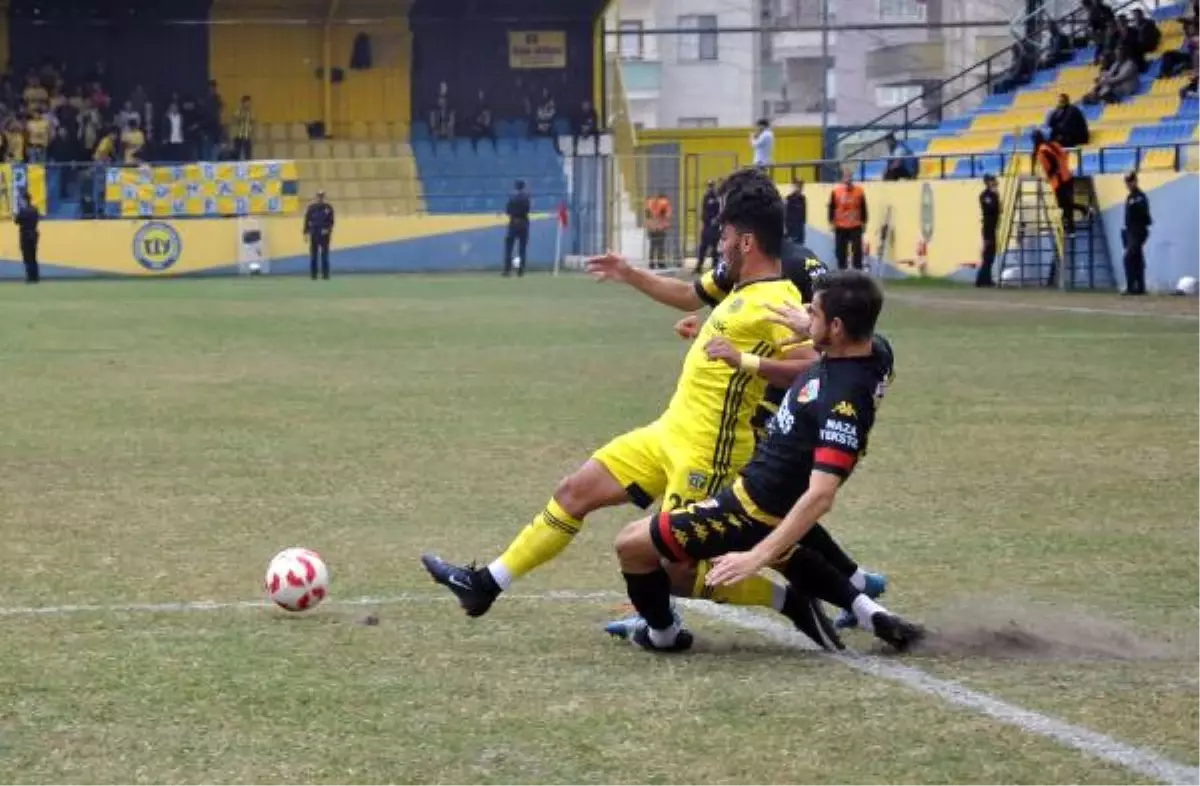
{"x": 297, "y": 579}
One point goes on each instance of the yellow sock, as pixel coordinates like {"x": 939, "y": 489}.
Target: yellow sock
{"x": 541, "y": 541}
{"x": 757, "y": 590}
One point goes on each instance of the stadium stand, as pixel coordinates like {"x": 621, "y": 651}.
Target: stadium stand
{"x": 1145, "y": 131}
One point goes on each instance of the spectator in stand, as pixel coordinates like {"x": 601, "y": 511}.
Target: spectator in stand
{"x": 587, "y": 125}
{"x": 1189, "y": 90}
{"x": 106, "y": 148}
{"x": 1099, "y": 17}
{"x": 483, "y": 126}
{"x": 1055, "y": 46}
{"x": 1020, "y": 70}
{"x": 90, "y": 130}
{"x": 37, "y": 131}
{"x": 242, "y": 131}
{"x": 133, "y": 142}
{"x": 141, "y": 105}
{"x": 762, "y": 142}
{"x": 1182, "y": 59}
{"x": 1118, "y": 82}
{"x": 15, "y": 136}
{"x": 1145, "y": 31}
{"x": 35, "y": 93}
{"x": 901, "y": 164}
{"x": 1067, "y": 125}
{"x": 547, "y": 111}
{"x": 62, "y": 152}
{"x": 193, "y": 130}
{"x": 173, "y": 139}
{"x": 100, "y": 98}
{"x": 92, "y": 186}
{"x": 127, "y": 115}
{"x": 441, "y": 117}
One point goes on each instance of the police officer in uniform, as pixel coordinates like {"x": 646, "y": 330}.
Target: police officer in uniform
{"x": 710, "y": 228}
{"x": 27, "y": 219}
{"x": 518, "y": 228}
{"x": 989, "y": 209}
{"x": 318, "y": 228}
{"x": 1134, "y": 235}
{"x": 796, "y": 212}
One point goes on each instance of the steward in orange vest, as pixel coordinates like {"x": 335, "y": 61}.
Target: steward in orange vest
{"x": 658, "y": 221}
{"x": 848, "y": 216}
{"x": 1055, "y": 163}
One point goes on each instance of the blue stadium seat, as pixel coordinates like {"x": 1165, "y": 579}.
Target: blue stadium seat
{"x": 562, "y": 126}
{"x": 873, "y": 170}
{"x": 422, "y": 148}
{"x": 1116, "y": 160}
{"x": 1083, "y": 56}
{"x": 918, "y": 145}
{"x": 1169, "y": 12}
{"x": 955, "y": 124}
{"x": 996, "y": 102}
{"x": 443, "y": 148}
{"x": 1145, "y": 135}
{"x": 420, "y": 130}
{"x": 1189, "y": 109}
{"x": 1089, "y": 164}
{"x": 1092, "y": 111}
{"x": 1043, "y": 78}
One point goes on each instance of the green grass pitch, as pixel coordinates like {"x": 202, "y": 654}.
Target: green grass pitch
{"x": 1033, "y": 469}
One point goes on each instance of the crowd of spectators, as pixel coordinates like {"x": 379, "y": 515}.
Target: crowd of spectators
{"x": 476, "y": 120}
{"x": 50, "y": 115}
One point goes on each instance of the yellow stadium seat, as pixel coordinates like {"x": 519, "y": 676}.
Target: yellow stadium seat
{"x": 278, "y": 132}
{"x": 366, "y": 169}
{"x": 380, "y": 130}
{"x": 301, "y": 151}
{"x": 361, "y": 150}
{"x": 389, "y": 167}
{"x": 1158, "y": 159}
{"x": 389, "y": 189}
{"x": 1019, "y": 165}
{"x": 341, "y": 150}
{"x": 371, "y": 189}
{"x": 1008, "y": 121}
{"x": 1141, "y": 108}
{"x": 297, "y": 132}
{"x": 260, "y": 133}
{"x": 359, "y": 131}
{"x": 332, "y": 190}
{"x": 933, "y": 167}
{"x": 352, "y": 189}
{"x": 346, "y": 170}
{"x": 1074, "y": 75}
{"x": 1035, "y": 99}
{"x": 1102, "y": 137}
{"x": 1168, "y": 87}
{"x": 322, "y": 149}
{"x": 307, "y": 170}
{"x": 383, "y": 150}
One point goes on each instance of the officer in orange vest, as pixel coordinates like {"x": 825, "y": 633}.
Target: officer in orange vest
{"x": 1055, "y": 163}
{"x": 848, "y": 216}
{"x": 658, "y": 220}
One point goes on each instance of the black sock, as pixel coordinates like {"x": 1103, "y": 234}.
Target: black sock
{"x": 650, "y": 594}
{"x": 488, "y": 582}
{"x": 812, "y": 575}
{"x": 819, "y": 540}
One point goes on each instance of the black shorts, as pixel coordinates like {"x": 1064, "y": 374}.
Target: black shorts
{"x": 707, "y": 529}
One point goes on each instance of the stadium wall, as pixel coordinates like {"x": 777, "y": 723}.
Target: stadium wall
{"x": 374, "y": 244}
{"x": 945, "y": 214}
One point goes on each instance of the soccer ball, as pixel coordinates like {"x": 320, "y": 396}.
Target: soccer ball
{"x": 254, "y": 268}
{"x": 297, "y": 579}
{"x": 1187, "y": 286}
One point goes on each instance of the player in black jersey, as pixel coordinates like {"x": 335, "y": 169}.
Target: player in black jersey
{"x": 812, "y": 446}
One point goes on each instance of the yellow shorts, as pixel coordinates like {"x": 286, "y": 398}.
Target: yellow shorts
{"x": 651, "y": 464}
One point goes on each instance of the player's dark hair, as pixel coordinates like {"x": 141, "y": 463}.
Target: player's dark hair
{"x": 854, "y": 298}
{"x": 751, "y": 203}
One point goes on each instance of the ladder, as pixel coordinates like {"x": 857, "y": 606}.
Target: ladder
{"x": 1037, "y": 251}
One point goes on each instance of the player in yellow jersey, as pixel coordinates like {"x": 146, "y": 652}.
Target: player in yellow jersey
{"x": 705, "y": 435}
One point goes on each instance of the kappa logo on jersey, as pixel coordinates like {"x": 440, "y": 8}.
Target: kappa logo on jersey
{"x": 809, "y": 391}
{"x": 697, "y": 480}
{"x": 839, "y": 432}
{"x": 784, "y": 419}
{"x": 736, "y": 305}
{"x": 845, "y": 409}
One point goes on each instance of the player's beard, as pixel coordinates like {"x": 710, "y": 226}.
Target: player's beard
{"x": 734, "y": 261}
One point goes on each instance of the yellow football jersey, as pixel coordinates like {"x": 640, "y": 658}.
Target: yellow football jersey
{"x": 713, "y": 403}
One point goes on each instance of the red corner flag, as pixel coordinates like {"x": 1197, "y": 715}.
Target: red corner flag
{"x": 562, "y": 214}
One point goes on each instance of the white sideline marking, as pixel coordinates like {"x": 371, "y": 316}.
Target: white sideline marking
{"x": 1139, "y": 760}
{"x": 239, "y": 605}
{"x": 925, "y": 300}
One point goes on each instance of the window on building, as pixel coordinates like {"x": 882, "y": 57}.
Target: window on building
{"x": 895, "y": 95}
{"x": 697, "y": 122}
{"x": 630, "y": 40}
{"x": 702, "y": 44}
{"x": 901, "y": 10}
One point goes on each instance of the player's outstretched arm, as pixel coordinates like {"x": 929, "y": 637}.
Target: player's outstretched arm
{"x": 813, "y": 505}
{"x": 780, "y": 373}
{"x": 668, "y": 291}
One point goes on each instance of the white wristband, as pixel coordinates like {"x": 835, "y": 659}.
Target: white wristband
{"x": 750, "y": 362}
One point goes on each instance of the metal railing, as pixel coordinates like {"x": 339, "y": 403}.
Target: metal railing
{"x": 979, "y": 76}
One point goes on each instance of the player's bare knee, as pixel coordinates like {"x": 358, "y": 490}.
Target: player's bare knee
{"x": 588, "y": 489}
{"x": 683, "y": 578}
{"x": 634, "y": 547}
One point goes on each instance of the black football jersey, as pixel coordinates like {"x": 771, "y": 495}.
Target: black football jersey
{"x": 823, "y": 422}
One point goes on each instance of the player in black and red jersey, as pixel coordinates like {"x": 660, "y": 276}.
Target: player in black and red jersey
{"x": 811, "y": 448}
